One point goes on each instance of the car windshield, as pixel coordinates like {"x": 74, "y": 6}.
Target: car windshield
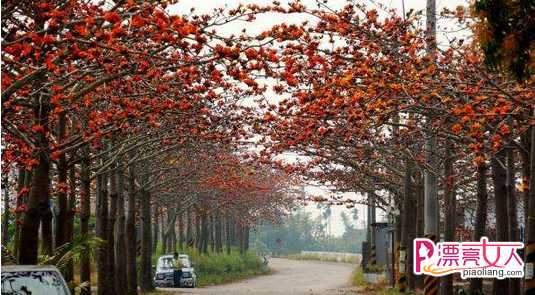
{"x": 168, "y": 263}
{"x": 33, "y": 282}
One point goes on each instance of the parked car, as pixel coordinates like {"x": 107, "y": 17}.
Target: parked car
{"x": 33, "y": 279}
{"x": 165, "y": 269}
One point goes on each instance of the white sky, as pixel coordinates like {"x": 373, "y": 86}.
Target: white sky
{"x": 265, "y": 21}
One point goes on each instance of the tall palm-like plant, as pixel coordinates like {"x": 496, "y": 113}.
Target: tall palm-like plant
{"x": 80, "y": 248}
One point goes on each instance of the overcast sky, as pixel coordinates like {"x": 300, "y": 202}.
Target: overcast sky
{"x": 267, "y": 20}
{"x": 263, "y": 22}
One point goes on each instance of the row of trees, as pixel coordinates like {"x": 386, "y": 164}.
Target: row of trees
{"x": 383, "y": 111}
{"x": 202, "y": 231}
{"x": 126, "y": 113}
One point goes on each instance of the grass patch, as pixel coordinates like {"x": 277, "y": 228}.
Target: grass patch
{"x": 358, "y": 279}
{"x": 220, "y": 268}
{"x": 218, "y": 279}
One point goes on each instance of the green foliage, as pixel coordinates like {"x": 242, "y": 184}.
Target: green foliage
{"x": 358, "y": 279}
{"x": 7, "y": 255}
{"x": 81, "y": 247}
{"x": 10, "y": 225}
{"x": 92, "y": 224}
{"x": 217, "y": 268}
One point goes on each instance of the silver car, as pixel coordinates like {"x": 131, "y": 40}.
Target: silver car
{"x": 164, "y": 274}
{"x": 33, "y": 279}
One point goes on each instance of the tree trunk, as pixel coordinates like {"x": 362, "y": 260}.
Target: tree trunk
{"x": 155, "y": 230}
{"x": 131, "y": 242}
{"x": 112, "y": 218}
{"x": 218, "y": 233}
{"x": 189, "y": 229}
{"x": 408, "y": 226}
{"x": 5, "y": 217}
{"x": 204, "y": 233}
{"x": 228, "y": 234}
{"x": 164, "y": 233}
{"x": 514, "y": 284}
{"x": 23, "y": 185}
{"x": 246, "y": 238}
{"x": 69, "y": 227}
{"x": 47, "y": 246}
{"x": 61, "y": 220}
{"x": 71, "y": 213}
{"x": 239, "y": 230}
{"x": 85, "y": 212}
{"x": 120, "y": 236}
{"x": 181, "y": 231}
{"x": 212, "y": 232}
{"x": 499, "y": 177}
{"x": 146, "y": 243}
{"x": 103, "y": 281}
{"x": 420, "y": 218}
{"x": 476, "y": 285}
{"x": 171, "y": 231}
{"x": 430, "y": 192}
{"x": 198, "y": 239}
{"x": 38, "y": 206}
{"x": 451, "y": 208}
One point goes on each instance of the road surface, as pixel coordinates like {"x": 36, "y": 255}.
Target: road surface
{"x": 289, "y": 277}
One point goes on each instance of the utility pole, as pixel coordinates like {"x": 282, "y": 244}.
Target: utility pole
{"x": 430, "y": 179}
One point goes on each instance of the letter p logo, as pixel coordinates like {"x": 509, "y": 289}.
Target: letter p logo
{"x": 423, "y": 249}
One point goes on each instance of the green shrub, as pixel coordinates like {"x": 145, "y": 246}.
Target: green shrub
{"x": 217, "y": 268}
{"x": 358, "y": 278}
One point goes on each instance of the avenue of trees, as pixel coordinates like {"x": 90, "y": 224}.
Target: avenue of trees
{"x": 120, "y": 111}
{"x": 425, "y": 131}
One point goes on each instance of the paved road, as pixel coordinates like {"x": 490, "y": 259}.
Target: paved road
{"x": 289, "y": 277}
